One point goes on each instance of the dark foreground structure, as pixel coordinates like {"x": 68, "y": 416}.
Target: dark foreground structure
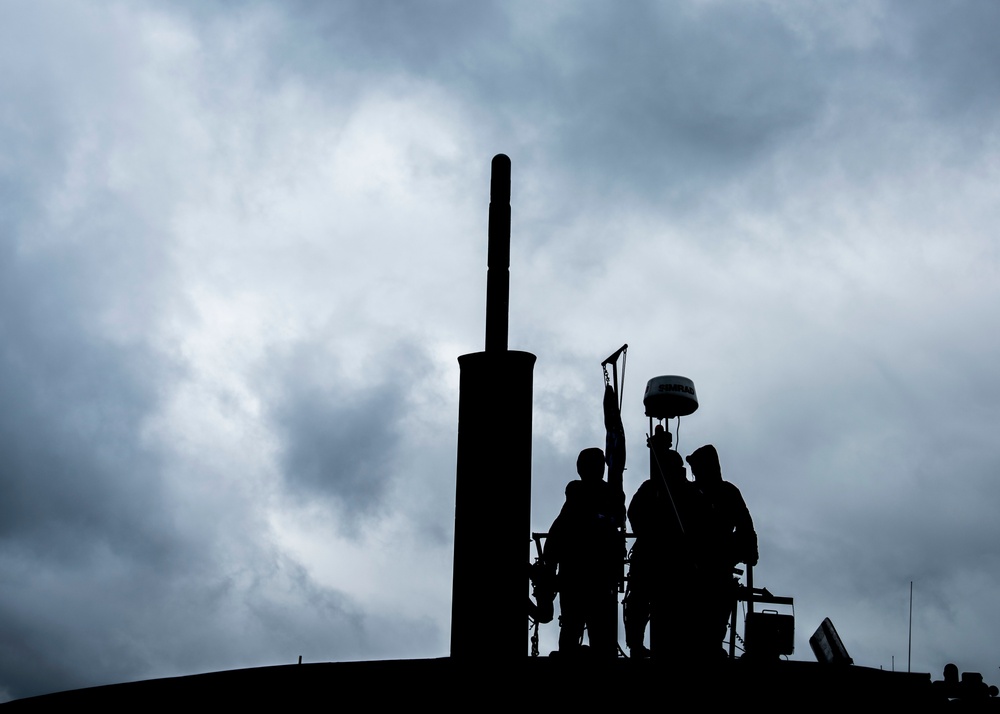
{"x": 489, "y": 639}
{"x": 451, "y": 684}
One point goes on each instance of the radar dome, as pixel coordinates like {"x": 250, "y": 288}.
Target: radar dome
{"x": 669, "y": 396}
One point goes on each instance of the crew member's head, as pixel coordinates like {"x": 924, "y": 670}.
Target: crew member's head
{"x": 705, "y": 465}
{"x": 590, "y": 464}
{"x": 673, "y": 464}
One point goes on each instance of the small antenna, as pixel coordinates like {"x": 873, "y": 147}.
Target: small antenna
{"x": 909, "y": 637}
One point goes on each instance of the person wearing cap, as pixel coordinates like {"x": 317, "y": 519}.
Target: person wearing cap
{"x": 583, "y": 543}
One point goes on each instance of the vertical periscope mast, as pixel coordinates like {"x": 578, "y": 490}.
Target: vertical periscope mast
{"x": 493, "y": 482}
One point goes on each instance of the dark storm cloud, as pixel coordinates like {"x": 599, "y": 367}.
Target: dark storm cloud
{"x": 653, "y": 98}
{"x": 952, "y": 47}
{"x": 418, "y": 38}
{"x": 662, "y": 97}
{"x": 76, "y": 380}
{"x": 73, "y": 399}
{"x": 340, "y": 445}
{"x": 341, "y": 441}
{"x": 79, "y": 487}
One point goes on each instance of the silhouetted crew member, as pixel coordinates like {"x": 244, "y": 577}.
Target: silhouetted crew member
{"x": 662, "y": 562}
{"x": 584, "y": 543}
{"x": 725, "y": 537}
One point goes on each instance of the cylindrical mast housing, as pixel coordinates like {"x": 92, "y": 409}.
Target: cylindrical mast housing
{"x": 493, "y": 480}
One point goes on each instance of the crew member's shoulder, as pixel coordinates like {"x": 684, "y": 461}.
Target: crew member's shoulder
{"x": 645, "y": 487}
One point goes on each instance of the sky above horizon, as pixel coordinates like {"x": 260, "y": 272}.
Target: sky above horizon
{"x": 243, "y": 244}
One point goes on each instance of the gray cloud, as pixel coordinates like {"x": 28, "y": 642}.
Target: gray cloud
{"x": 340, "y": 441}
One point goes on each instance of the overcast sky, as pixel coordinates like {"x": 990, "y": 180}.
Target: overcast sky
{"x": 243, "y": 244}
